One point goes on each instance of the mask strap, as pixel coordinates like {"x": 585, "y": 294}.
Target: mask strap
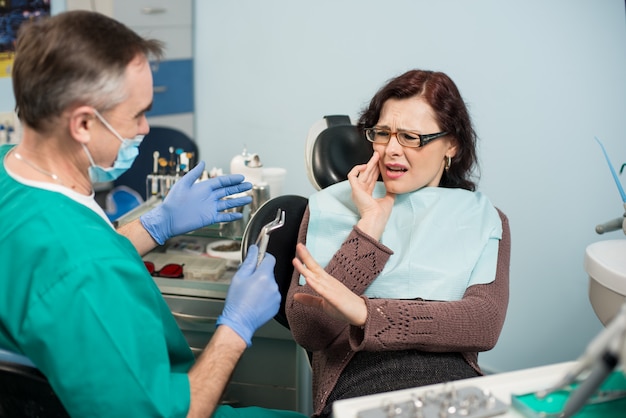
{"x": 108, "y": 126}
{"x": 91, "y": 161}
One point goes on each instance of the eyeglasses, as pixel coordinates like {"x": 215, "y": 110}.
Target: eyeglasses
{"x": 169, "y": 271}
{"x": 405, "y": 138}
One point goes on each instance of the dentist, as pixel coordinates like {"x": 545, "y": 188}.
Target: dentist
{"x": 75, "y": 296}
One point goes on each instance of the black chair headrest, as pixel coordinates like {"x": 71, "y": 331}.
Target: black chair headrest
{"x": 335, "y": 150}
{"x": 282, "y": 242}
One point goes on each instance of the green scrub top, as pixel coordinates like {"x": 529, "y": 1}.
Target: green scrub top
{"x": 76, "y": 298}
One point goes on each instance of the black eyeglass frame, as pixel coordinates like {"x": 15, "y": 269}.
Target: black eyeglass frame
{"x": 424, "y": 139}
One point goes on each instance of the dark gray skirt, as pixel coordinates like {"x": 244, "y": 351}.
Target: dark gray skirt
{"x": 377, "y": 372}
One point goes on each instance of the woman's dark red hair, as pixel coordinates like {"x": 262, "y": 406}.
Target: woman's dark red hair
{"x": 440, "y": 92}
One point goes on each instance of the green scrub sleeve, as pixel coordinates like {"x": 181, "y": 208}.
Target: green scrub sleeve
{"x": 123, "y": 355}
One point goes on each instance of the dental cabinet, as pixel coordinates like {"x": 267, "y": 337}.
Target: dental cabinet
{"x": 171, "y": 23}
{"x": 274, "y": 372}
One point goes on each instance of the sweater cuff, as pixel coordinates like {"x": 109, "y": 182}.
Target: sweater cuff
{"x": 357, "y": 334}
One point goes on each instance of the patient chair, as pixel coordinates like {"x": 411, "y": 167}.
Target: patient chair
{"x": 24, "y": 391}
{"x": 282, "y": 243}
{"x": 333, "y": 146}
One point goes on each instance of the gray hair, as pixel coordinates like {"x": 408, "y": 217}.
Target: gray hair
{"x": 72, "y": 59}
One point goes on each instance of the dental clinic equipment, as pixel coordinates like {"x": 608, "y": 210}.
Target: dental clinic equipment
{"x": 618, "y": 223}
{"x": 249, "y": 165}
{"x": 264, "y": 236}
{"x": 582, "y": 383}
{"x": 592, "y": 368}
{"x": 608, "y": 349}
{"x": 154, "y": 182}
{"x": 450, "y": 402}
{"x": 166, "y": 171}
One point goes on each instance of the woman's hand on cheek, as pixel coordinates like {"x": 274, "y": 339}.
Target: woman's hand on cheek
{"x": 374, "y": 212}
{"x": 363, "y": 179}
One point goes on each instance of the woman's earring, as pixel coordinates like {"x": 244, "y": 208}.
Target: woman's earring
{"x": 448, "y": 162}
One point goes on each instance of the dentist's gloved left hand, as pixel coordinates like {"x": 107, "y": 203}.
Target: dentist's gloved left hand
{"x": 253, "y": 297}
{"x": 190, "y": 205}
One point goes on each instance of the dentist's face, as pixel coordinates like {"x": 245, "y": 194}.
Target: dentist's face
{"x": 128, "y": 118}
{"x": 406, "y": 169}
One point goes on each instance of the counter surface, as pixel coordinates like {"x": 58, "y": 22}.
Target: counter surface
{"x": 501, "y": 385}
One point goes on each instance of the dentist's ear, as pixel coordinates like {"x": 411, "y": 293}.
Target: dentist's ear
{"x": 81, "y": 122}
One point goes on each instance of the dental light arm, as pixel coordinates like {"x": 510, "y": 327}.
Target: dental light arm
{"x": 613, "y": 225}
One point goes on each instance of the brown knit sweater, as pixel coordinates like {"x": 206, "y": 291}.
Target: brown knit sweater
{"x": 466, "y": 326}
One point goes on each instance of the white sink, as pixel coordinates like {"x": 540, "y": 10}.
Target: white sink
{"x": 605, "y": 263}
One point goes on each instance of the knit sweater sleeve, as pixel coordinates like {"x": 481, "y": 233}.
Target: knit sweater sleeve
{"x": 356, "y": 264}
{"x": 471, "y": 324}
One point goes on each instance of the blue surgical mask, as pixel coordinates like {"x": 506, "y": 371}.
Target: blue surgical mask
{"x": 125, "y": 156}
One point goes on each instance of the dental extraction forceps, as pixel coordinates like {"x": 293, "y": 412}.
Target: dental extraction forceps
{"x": 264, "y": 235}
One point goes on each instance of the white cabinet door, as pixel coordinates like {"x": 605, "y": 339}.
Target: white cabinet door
{"x": 153, "y": 12}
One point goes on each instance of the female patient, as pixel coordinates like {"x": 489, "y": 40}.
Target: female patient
{"x": 415, "y": 281}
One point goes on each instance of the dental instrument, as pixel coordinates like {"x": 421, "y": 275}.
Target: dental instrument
{"x": 264, "y": 235}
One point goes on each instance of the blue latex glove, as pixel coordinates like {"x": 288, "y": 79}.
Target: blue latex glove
{"x": 253, "y": 297}
{"x": 190, "y": 205}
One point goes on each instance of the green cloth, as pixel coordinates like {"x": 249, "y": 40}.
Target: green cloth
{"x": 601, "y": 404}
{"x": 76, "y": 298}
{"x": 254, "y": 412}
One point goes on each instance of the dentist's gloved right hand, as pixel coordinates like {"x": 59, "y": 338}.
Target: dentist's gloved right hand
{"x": 191, "y": 205}
{"x": 253, "y": 297}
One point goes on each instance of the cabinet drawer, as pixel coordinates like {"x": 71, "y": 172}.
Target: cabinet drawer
{"x": 261, "y": 396}
{"x": 199, "y": 315}
{"x": 178, "y": 40}
{"x": 173, "y": 87}
{"x": 195, "y": 314}
{"x": 170, "y": 23}
{"x": 269, "y": 374}
{"x": 266, "y": 375}
{"x": 268, "y": 362}
{"x": 153, "y": 12}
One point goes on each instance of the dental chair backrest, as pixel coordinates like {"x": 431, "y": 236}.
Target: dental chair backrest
{"x": 333, "y": 146}
{"x": 25, "y": 391}
{"x": 282, "y": 242}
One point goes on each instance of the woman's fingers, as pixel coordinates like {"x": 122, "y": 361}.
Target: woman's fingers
{"x": 366, "y": 172}
{"x": 304, "y": 262}
{"x": 334, "y": 297}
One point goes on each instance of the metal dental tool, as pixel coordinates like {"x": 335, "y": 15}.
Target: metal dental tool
{"x": 264, "y": 235}
{"x": 154, "y": 189}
